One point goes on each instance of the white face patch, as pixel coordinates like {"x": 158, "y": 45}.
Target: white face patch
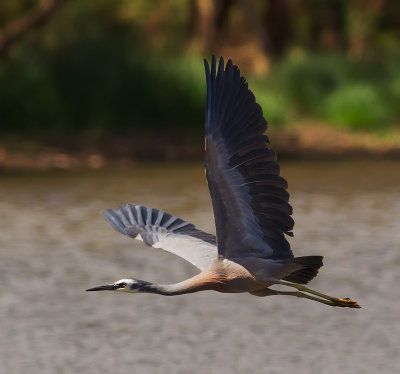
{"x": 126, "y": 285}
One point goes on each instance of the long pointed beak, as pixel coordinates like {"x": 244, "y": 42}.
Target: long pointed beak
{"x": 107, "y": 287}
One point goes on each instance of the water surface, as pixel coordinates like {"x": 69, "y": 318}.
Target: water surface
{"x": 54, "y": 244}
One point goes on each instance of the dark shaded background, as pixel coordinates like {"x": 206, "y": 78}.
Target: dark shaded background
{"x": 76, "y": 73}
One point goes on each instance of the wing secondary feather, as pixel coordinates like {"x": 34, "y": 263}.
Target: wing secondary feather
{"x": 249, "y": 197}
{"x": 163, "y": 230}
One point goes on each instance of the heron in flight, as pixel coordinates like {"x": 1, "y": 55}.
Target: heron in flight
{"x": 251, "y": 208}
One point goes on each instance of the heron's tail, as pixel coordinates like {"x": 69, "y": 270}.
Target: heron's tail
{"x": 311, "y": 265}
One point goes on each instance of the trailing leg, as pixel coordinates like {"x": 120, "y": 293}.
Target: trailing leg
{"x": 336, "y": 301}
{"x": 305, "y": 296}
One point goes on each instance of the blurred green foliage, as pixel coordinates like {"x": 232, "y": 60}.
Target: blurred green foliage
{"x": 104, "y": 67}
{"x": 356, "y": 106}
{"x": 119, "y": 94}
{"x": 345, "y": 93}
{"x": 65, "y": 92}
{"x": 355, "y": 95}
{"x": 306, "y": 80}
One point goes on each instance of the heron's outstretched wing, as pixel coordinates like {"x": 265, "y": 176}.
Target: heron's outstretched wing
{"x": 163, "y": 230}
{"x": 249, "y": 197}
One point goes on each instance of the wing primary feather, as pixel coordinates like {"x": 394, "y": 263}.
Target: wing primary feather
{"x": 228, "y": 94}
{"x": 123, "y": 216}
{"x": 229, "y": 90}
{"x": 114, "y": 220}
{"x": 249, "y": 196}
{"x": 178, "y": 225}
{"x": 149, "y": 216}
{"x": 219, "y": 83}
{"x": 208, "y": 98}
{"x": 132, "y": 214}
{"x": 169, "y": 223}
{"x": 139, "y": 214}
{"x": 212, "y": 83}
{"x": 159, "y": 218}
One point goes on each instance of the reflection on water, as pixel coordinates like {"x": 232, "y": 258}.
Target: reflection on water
{"x": 54, "y": 245}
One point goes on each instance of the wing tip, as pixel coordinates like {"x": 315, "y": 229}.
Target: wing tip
{"x": 206, "y": 66}
{"x": 221, "y": 65}
{"x": 113, "y": 218}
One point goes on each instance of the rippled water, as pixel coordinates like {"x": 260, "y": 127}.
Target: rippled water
{"x": 54, "y": 244}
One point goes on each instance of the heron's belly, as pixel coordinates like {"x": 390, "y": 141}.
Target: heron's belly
{"x": 240, "y": 285}
{"x": 232, "y": 277}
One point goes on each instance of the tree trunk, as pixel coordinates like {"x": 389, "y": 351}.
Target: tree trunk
{"x": 17, "y": 29}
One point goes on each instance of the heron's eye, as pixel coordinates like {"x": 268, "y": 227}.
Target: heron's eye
{"x": 122, "y": 285}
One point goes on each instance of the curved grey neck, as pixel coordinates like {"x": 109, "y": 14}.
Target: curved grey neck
{"x": 188, "y": 286}
{"x": 163, "y": 289}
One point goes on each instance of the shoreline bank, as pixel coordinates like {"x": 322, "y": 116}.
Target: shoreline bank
{"x": 295, "y": 142}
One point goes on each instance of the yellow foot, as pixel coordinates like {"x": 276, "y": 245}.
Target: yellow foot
{"x": 347, "y": 303}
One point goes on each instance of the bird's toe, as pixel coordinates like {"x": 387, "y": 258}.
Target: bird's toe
{"x": 346, "y": 302}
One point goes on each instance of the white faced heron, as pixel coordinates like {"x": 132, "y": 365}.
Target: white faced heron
{"x": 252, "y": 215}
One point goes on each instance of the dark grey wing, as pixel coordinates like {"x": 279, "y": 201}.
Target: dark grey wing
{"x": 163, "y": 230}
{"x": 249, "y": 197}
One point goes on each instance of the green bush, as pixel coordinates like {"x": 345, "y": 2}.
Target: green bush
{"x": 356, "y": 107}
{"x": 392, "y": 93}
{"x": 273, "y": 104}
{"x": 305, "y": 81}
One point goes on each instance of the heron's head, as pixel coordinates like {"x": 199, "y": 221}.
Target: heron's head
{"x": 123, "y": 285}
